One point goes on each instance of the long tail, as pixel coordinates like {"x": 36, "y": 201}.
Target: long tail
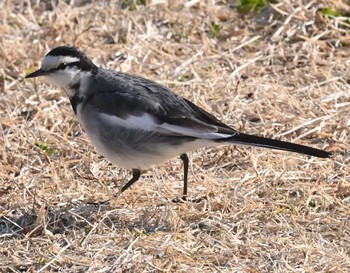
{"x": 276, "y": 144}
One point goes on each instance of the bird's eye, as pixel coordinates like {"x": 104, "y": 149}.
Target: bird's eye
{"x": 62, "y": 66}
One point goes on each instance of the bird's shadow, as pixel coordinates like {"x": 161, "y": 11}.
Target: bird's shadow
{"x": 83, "y": 217}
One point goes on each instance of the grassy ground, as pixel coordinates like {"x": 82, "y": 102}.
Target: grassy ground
{"x": 283, "y": 72}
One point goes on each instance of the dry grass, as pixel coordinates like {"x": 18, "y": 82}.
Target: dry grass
{"x": 265, "y": 211}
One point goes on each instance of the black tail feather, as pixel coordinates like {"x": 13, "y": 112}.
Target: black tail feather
{"x": 276, "y": 144}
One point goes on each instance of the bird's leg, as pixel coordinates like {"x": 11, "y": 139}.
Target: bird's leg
{"x": 136, "y": 173}
{"x": 185, "y": 160}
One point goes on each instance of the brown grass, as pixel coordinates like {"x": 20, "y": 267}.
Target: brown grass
{"x": 265, "y": 211}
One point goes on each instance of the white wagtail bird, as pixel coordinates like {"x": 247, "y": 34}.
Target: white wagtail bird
{"x": 135, "y": 122}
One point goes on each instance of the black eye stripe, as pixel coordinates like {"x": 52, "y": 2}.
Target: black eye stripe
{"x": 73, "y": 64}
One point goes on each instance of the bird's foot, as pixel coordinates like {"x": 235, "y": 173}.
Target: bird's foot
{"x": 185, "y": 198}
{"x": 98, "y": 204}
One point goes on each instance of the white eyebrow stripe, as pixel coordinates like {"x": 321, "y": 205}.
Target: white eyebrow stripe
{"x": 69, "y": 59}
{"x": 52, "y": 62}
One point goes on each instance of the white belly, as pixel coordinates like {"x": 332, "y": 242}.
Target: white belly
{"x": 132, "y": 150}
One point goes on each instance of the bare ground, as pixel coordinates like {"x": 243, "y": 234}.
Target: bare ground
{"x": 283, "y": 73}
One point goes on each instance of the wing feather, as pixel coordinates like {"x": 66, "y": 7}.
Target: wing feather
{"x": 134, "y": 102}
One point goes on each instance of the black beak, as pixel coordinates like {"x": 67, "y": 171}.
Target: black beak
{"x": 37, "y": 73}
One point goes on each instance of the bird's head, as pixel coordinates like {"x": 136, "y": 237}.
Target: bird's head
{"x": 63, "y": 67}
